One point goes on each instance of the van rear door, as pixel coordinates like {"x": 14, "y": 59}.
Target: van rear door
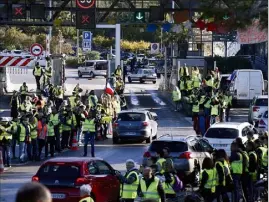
{"x": 242, "y": 85}
{"x": 255, "y": 84}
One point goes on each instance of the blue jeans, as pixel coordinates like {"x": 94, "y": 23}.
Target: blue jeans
{"x": 6, "y": 154}
{"x": 238, "y": 191}
{"x": 79, "y": 132}
{"x": 21, "y": 148}
{"x": 89, "y": 137}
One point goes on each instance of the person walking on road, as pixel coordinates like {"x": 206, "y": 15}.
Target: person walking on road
{"x": 50, "y": 140}
{"x": 23, "y": 92}
{"x": 85, "y": 193}
{"x": 88, "y": 127}
{"x": 37, "y": 74}
{"x": 129, "y": 182}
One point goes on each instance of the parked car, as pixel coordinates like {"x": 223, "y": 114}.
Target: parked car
{"x": 221, "y": 135}
{"x": 135, "y": 125}
{"x": 93, "y": 68}
{"x": 140, "y": 57}
{"x": 258, "y": 106}
{"x": 187, "y": 153}
{"x": 143, "y": 75}
{"x": 64, "y": 175}
{"x": 263, "y": 121}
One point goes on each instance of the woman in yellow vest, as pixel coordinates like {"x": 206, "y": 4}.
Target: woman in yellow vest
{"x": 85, "y": 193}
{"x": 208, "y": 180}
{"x": 170, "y": 179}
{"x": 160, "y": 162}
{"x": 176, "y": 97}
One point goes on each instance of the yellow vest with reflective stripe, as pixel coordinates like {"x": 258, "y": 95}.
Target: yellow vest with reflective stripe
{"x": 22, "y": 133}
{"x": 118, "y": 72}
{"x": 67, "y": 127}
{"x": 189, "y": 84}
{"x": 224, "y": 176}
{"x": 161, "y": 162}
{"x": 237, "y": 166}
{"x": 72, "y": 101}
{"x": 176, "y": 95}
{"x": 264, "y": 159}
{"x": 88, "y": 199}
{"x": 196, "y": 81}
{"x": 253, "y": 175}
{"x": 129, "y": 191}
{"x": 168, "y": 187}
{"x": 209, "y": 82}
{"x": 5, "y": 134}
{"x": 33, "y": 132}
{"x": 212, "y": 179}
{"x": 195, "y": 107}
{"x": 245, "y": 154}
{"x": 48, "y": 72}
{"x": 215, "y": 110}
{"x": 182, "y": 85}
{"x": 152, "y": 191}
{"x": 90, "y": 98}
{"x": 51, "y": 129}
{"x": 54, "y": 118}
{"x": 23, "y": 90}
{"x": 38, "y": 71}
{"x": 88, "y": 125}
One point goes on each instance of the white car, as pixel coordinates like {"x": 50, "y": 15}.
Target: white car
{"x": 140, "y": 57}
{"x": 263, "y": 122}
{"x": 221, "y": 135}
{"x": 143, "y": 75}
{"x": 257, "y": 107}
{"x": 93, "y": 68}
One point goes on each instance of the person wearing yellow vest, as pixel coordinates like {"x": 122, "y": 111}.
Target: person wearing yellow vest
{"x": 72, "y": 100}
{"x": 207, "y": 109}
{"x": 14, "y": 105}
{"x": 48, "y": 72}
{"x": 88, "y": 128}
{"x": 37, "y": 72}
{"x": 116, "y": 104}
{"x": 23, "y": 92}
{"x": 214, "y": 111}
{"x": 119, "y": 86}
{"x": 150, "y": 187}
{"x": 196, "y": 79}
{"x": 161, "y": 160}
{"x": 129, "y": 182}
{"x": 182, "y": 86}
{"x": 33, "y": 133}
{"x": 236, "y": 160}
{"x": 189, "y": 85}
{"x": 262, "y": 156}
{"x": 85, "y": 193}
{"x": 194, "y": 101}
{"x": 5, "y": 142}
{"x": 24, "y": 138}
{"x": 118, "y": 71}
{"x": 15, "y": 138}
{"x": 74, "y": 127}
{"x": 222, "y": 174}
{"x": 92, "y": 99}
{"x": 59, "y": 95}
{"x": 50, "y": 140}
{"x": 176, "y": 97}
{"x": 55, "y": 119}
{"x": 208, "y": 180}
{"x": 252, "y": 168}
{"x": 170, "y": 180}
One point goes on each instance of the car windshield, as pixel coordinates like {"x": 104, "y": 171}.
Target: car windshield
{"x": 265, "y": 115}
{"x": 59, "y": 171}
{"x": 149, "y": 71}
{"x": 174, "y": 146}
{"x": 131, "y": 117}
{"x": 262, "y": 102}
{"x": 222, "y": 133}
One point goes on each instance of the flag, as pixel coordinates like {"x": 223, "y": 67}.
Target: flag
{"x": 232, "y": 76}
{"x": 109, "y": 90}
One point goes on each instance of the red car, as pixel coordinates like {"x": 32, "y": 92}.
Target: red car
{"x": 64, "y": 176}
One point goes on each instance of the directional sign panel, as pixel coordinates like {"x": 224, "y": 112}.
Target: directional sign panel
{"x": 18, "y": 11}
{"x": 36, "y": 49}
{"x": 139, "y": 16}
{"x": 86, "y": 19}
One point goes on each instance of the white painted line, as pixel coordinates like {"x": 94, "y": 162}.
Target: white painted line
{"x": 134, "y": 99}
{"x": 157, "y": 99}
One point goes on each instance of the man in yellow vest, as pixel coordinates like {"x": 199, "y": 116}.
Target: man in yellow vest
{"x": 14, "y": 105}
{"x": 150, "y": 187}
{"x": 129, "y": 182}
{"x": 194, "y": 101}
{"x": 23, "y": 92}
{"x": 5, "y": 141}
{"x": 24, "y": 138}
{"x": 176, "y": 97}
{"x": 37, "y": 72}
{"x": 189, "y": 85}
{"x": 66, "y": 129}
{"x": 33, "y": 134}
{"x": 160, "y": 162}
{"x": 48, "y": 72}
{"x": 85, "y": 193}
{"x": 228, "y": 99}
{"x": 214, "y": 111}
{"x": 55, "y": 119}
{"x": 50, "y": 140}
{"x": 92, "y": 99}
{"x": 262, "y": 157}
{"x": 118, "y": 71}
{"x": 88, "y": 128}
{"x": 13, "y": 129}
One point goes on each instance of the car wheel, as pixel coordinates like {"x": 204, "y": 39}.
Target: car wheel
{"x": 141, "y": 81}
{"x": 149, "y": 140}
{"x": 153, "y": 82}
{"x": 115, "y": 140}
{"x": 129, "y": 80}
{"x": 79, "y": 74}
{"x": 92, "y": 75}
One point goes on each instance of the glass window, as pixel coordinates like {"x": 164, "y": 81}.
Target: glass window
{"x": 261, "y": 102}
{"x": 131, "y": 117}
{"x": 206, "y": 147}
{"x": 93, "y": 170}
{"x": 103, "y": 168}
{"x": 59, "y": 171}
{"x": 265, "y": 115}
{"x": 174, "y": 146}
{"x": 222, "y": 133}
{"x": 101, "y": 66}
{"x": 140, "y": 71}
{"x": 89, "y": 64}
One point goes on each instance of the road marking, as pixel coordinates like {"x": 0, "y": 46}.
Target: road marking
{"x": 134, "y": 99}
{"x": 157, "y": 99}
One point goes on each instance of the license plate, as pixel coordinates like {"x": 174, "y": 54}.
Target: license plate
{"x": 220, "y": 145}
{"x": 243, "y": 95}
{"x": 130, "y": 133}
{"x": 58, "y": 196}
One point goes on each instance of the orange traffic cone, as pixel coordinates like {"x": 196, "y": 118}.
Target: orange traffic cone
{"x": 1, "y": 163}
{"x": 74, "y": 142}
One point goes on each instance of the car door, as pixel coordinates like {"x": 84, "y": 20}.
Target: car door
{"x": 206, "y": 148}
{"x": 250, "y": 113}
{"x": 196, "y": 150}
{"x": 111, "y": 183}
{"x": 153, "y": 123}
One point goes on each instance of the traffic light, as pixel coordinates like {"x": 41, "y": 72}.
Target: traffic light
{"x": 156, "y": 13}
{"x": 85, "y": 19}
{"x": 18, "y": 11}
{"x": 37, "y": 11}
{"x": 139, "y": 16}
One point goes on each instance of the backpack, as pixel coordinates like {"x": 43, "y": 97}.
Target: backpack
{"x": 178, "y": 185}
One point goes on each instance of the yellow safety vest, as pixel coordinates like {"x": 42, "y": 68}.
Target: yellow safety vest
{"x": 237, "y": 166}
{"x": 196, "y": 81}
{"x": 54, "y": 118}
{"x": 168, "y": 187}
{"x": 67, "y": 127}
{"x": 182, "y": 85}
{"x": 90, "y": 98}
{"x": 23, "y": 90}
{"x": 202, "y": 99}
{"x": 209, "y": 82}
{"x": 38, "y": 71}
{"x": 161, "y": 162}
{"x": 118, "y": 72}
{"x": 88, "y": 199}
{"x": 5, "y": 134}
{"x": 51, "y": 129}
{"x": 189, "y": 84}
{"x": 72, "y": 101}
{"x": 59, "y": 93}
{"x": 228, "y": 99}
{"x": 88, "y": 125}
{"x": 245, "y": 154}
{"x": 48, "y": 72}
{"x": 129, "y": 191}
{"x": 33, "y": 128}
{"x": 253, "y": 175}
{"x": 195, "y": 107}
{"x": 224, "y": 176}
{"x": 176, "y": 95}
{"x": 215, "y": 110}
{"x": 22, "y": 133}
{"x": 152, "y": 191}
{"x": 207, "y": 104}
{"x": 212, "y": 179}
{"x": 264, "y": 159}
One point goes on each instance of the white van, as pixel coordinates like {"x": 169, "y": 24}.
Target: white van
{"x": 93, "y": 68}
{"x": 245, "y": 84}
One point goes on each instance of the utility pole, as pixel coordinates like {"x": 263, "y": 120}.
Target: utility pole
{"x": 165, "y": 67}
{"x": 77, "y": 43}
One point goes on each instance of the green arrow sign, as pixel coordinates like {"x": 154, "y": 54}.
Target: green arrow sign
{"x": 139, "y": 16}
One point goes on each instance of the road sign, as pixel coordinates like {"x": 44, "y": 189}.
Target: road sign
{"x": 36, "y": 49}
{"x": 86, "y": 45}
{"x": 18, "y": 11}
{"x": 85, "y": 4}
{"x": 86, "y": 20}
{"x": 139, "y": 16}
{"x": 154, "y": 48}
{"x": 87, "y": 36}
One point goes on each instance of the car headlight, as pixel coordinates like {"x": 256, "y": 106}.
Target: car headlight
{"x": 154, "y": 74}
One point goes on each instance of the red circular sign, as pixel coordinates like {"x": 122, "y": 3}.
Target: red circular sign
{"x": 85, "y": 4}
{"x": 36, "y": 49}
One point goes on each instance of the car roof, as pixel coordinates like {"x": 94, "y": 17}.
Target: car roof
{"x": 262, "y": 97}
{"x": 71, "y": 159}
{"x": 134, "y": 111}
{"x": 235, "y": 125}
{"x": 178, "y": 138}
{"x": 95, "y": 60}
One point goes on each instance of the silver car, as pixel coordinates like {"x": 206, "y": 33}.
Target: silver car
{"x": 135, "y": 125}
{"x": 187, "y": 153}
{"x": 257, "y": 107}
{"x": 143, "y": 75}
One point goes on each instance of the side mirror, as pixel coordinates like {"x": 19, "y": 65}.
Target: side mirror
{"x": 155, "y": 118}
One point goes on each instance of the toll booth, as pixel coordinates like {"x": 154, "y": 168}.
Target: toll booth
{"x": 58, "y": 70}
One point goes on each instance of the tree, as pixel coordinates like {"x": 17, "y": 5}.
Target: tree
{"x": 67, "y": 49}
{"x": 41, "y": 39}
{"x": 104, "y": 42}
{"x": 92, "y": 55}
